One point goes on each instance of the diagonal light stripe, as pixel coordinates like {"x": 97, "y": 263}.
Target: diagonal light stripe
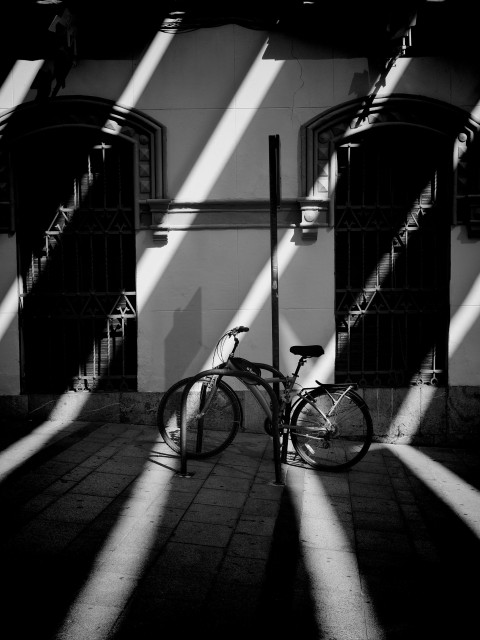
{"x": 260, "y": 290}
{"x": 230, "y": 129}
{"x": 215, "y": 150}
{"x": 461, "y": 497}
{"x": 112, "y": 554}
{"x": 321, "y": 369}
{"x": 328, "y": 551}
{"x": 461, "y": 322}
{"x": 390, "y": 82}
{"x": 465, "y": 317}
{"x": 22, "y": 450}
{"x": 324, "y": 368}
{"x": 80, "y": 612}
{"x": 150, "y": 269}
{"x": 22, "y": 75}
{"x": 146, "y": 68}
{"x": 8, "y": 307}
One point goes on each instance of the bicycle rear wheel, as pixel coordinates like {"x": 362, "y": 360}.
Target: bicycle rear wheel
{"x": 209, "y": 430}
{"x": 334, "y": 430}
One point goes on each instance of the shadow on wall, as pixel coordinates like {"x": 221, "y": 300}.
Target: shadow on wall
{"x": 184, "y": 341}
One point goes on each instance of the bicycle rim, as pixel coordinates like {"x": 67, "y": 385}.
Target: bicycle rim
{"x": 207, "y": 432}
{"x": 335, "y": 443}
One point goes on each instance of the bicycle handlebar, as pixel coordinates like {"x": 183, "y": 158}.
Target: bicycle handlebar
{"x": 237, "y": 330}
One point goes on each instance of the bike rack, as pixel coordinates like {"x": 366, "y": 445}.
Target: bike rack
{"x": 237, "y": 374}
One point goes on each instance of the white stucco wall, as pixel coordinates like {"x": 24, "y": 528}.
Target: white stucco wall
{"x": 464, "y": 338}
{"x": 191, "y": 290}
{"x": 220, "y": 93}
{"x": 9, "y": 344}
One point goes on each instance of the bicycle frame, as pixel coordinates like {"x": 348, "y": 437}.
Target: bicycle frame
{"x": 285, "y": 405}
{"x": 308, "y": 416}
{"x": 276, "y": 379}
{"x": 288, "y": 382}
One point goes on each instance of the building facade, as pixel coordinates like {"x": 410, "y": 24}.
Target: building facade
{"x": 135, "y": 213}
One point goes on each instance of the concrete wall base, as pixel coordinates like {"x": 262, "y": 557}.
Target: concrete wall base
{"x": 420, "y": 415}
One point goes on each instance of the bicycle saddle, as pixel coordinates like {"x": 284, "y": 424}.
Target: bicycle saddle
{"x": 308, "y": 351}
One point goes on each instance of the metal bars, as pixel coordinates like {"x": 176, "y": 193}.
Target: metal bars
{"x": 392, "y": 263}
{"x": 78, "y": 265}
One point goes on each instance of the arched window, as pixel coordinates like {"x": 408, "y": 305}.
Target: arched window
{"x": 387, "y": 174}
{"x": 392, "y": 251}
{"x": 80, "y": 170}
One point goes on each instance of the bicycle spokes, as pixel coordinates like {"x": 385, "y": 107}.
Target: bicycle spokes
{"x": 211, "y": 418}
{"x": 331, "y": 430}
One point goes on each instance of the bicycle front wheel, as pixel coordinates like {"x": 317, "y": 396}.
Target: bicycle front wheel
{"x": 213, "y": 417}
{"x": 333, "y": 430}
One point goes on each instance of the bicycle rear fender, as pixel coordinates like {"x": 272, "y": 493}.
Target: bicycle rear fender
{"x": 334, "y": 386}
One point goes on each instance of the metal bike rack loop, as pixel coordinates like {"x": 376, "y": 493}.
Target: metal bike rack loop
{"x": 237, "y": 374}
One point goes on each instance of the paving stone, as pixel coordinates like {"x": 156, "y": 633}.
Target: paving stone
{"x": 378, "y": 505}
{"x": 36, "y": 505}
{"x": 125, "y": 561}
{"x": 330, "y": 614}
{"x": 87, "y": 622}
{"x": 138, "y": 538}
{"x": 121, "y": 465}
{"x": 117, "y": 545}
{"x": 259, "y": 506}
{"x": 213, "y": 514}
{"x": 338, "y": 508}
{"x": 384, "y": 492}
{"x": 241, "y": 570}
{"x": 249, "y": 546}
{"x": 330, "y": 569}
{"x": 326, "y": 484}
{"x": 184, "y": 485}
{"x": 226, "y": 482}
{"x": 150, "y": 611}
{"x": 372, "y": 521}
{"x": 392, "y": 541}
{"x": 223, "y": 469}
{"x": 220, "y": 497}
{"x": 267, "y": 490}
{"x": 45, "y": 536}
{"x": 377, "y": 477}
{"x": 109, "y": 589}
{"x": 214, "y": 535}
{"x": 326, "y": 534}
{"x": 102, "y": 484}
{"x": 256, "y": 525}
{"x": 75, "y": 508}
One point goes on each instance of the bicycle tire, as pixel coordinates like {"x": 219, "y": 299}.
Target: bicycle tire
{"x": 208, "y": 435}
{"x": 337, "y": 449}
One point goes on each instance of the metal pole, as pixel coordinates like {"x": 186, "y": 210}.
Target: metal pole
{"x": 183, "y": 430}
{"x": 274, "y": 166}
{"x": 241, "y": 375}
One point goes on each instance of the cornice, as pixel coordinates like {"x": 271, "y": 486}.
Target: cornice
{"x": 163, "y": 215}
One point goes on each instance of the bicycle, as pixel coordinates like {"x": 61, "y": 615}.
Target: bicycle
{"x": 330, "y": 426}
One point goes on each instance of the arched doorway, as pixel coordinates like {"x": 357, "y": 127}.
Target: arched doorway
{"x": 76, "y": 248}
{"x": 392, "y": 258}
{"x": 76, "y": 171}
{"x": 386, "y": 171}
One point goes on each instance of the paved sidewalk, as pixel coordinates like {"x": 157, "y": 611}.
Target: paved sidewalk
{"x": 101, "y": 539}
